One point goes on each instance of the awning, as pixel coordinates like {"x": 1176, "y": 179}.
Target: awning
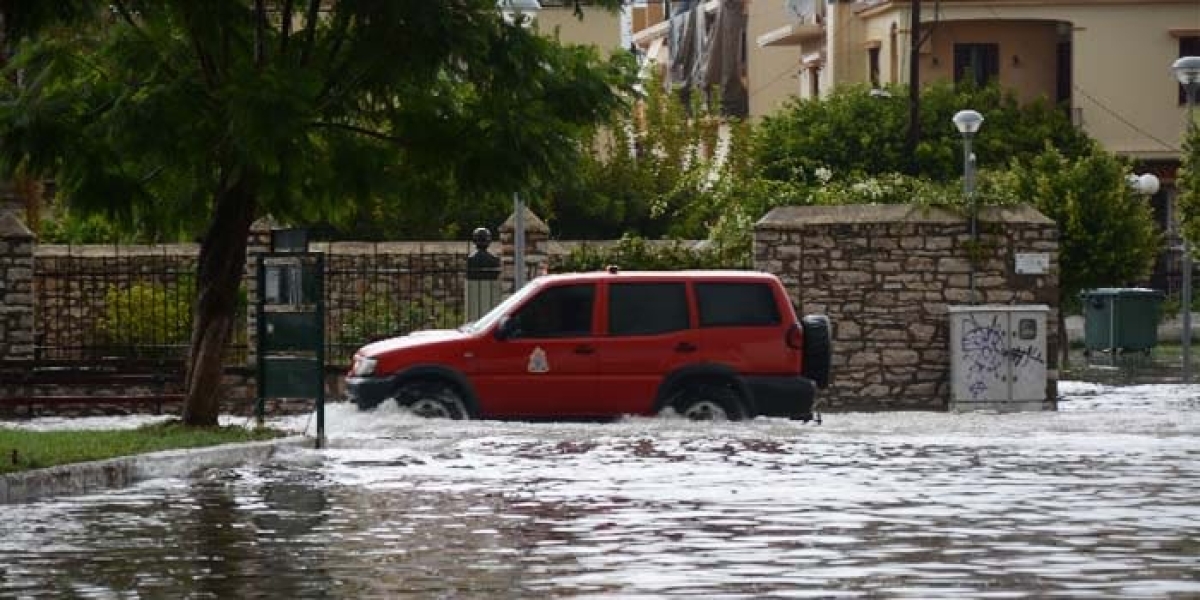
{"x": 792, "y": 35}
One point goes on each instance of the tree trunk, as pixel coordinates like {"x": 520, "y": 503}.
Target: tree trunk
{"x": 219, "y": 275}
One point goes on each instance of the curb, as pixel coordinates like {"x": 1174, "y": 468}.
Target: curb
{"x": 82, "y": 478}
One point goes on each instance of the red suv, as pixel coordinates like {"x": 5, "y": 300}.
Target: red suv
{"x": 707, "y": 344}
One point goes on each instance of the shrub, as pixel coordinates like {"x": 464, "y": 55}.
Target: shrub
{"x": 635, "y": 253}
{"x": 147, "y": 319}
{"x": 382, "y": 315}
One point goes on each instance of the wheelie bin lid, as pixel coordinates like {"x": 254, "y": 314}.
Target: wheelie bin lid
{"x": 1122, "y": 292}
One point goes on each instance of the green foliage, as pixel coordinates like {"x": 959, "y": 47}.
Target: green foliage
{"x": 384, "y": 315}
{"x": 635, "y": 253}
{"x": 651, "y": 172}
{"x": 1188, "y": 184}
{"x": 854, "y": 133}
{"x": 1107, "y": 235}
{"x": 369, "y": 111}
{"x": 22, "y": 450}
{"x": 147, "y": 319}
{"x": 69, "y": 228}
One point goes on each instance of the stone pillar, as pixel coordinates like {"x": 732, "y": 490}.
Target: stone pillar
{"x": 483, "y": 277}
{"x": 537, "y": 237}
{"x": 16, "y": 289}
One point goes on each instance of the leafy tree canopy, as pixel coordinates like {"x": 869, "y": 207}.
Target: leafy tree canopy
{"x": 1107, "y": 234}
{"x": 648, "y": 172}
{"x": 1188, "y": 183}
{"x": 190, "y": 116}
{"x": 854, "y": 132}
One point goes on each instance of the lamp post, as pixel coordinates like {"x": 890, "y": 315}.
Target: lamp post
{"x": 968, "y": 123}
{"x": 516, "y": 11}
{"x": 1187, "y": 71}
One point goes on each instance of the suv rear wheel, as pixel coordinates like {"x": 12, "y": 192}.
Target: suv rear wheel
{"x": 432, "y": 399}
{"x": 708, "y": 402}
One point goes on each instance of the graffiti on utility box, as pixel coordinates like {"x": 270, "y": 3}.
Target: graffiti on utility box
{"x": 990, "y": 358}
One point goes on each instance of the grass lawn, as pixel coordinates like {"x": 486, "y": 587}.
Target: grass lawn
{"x": 22, "y": 450}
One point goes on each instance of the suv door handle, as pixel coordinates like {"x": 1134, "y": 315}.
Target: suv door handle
{"x": 685, "y": 347}
{"x": 585, "y": 349}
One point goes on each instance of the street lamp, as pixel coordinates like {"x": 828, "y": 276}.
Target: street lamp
{"x": 515, "y": 11}
{"x": 1187, "y": 71}
{"x": 968, "y": 123}
{"x": 1145, "y": 185}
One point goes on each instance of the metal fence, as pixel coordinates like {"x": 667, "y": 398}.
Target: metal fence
{"x": 375, "y": 295}
{"x": 93, "y": 303}
{"x": 136, "y": 302}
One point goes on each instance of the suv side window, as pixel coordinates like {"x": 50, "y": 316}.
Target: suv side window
{"x": 736, "y": 304}
{"x": 563, "y": 311}
{"x": 647, "y": 308}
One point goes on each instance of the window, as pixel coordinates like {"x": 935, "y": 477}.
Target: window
{"x": 1188, "y": 46}
{"x": 736, "y": 304}
{"x": 1062, "y": 87}
{"x": 564, "y": 311}
{"x": 647, "y": 308}
{"x": 977, "y": 63}
{"x": 873, "y": 66}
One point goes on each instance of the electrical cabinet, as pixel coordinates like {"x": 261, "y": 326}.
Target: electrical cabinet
{"x": 998, "y": 357}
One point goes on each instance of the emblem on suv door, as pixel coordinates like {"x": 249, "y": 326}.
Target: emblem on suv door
{"x": 537, "y": 361}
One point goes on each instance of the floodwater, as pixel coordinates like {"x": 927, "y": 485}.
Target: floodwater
{"x": 1098, "y": 500}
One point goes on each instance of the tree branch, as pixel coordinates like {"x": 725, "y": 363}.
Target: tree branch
{"x": 260, "y": 33}
{"x": 341, "y": 27}
{"x": 361, "y": 131}
{"x": 285, "y": 27}
{"x": 207, "y": 67}
{"x": 310, "y": 30}
{"x": 128, "y": 17}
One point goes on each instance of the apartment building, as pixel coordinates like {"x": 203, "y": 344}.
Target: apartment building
{"x": 1107, "y": 62}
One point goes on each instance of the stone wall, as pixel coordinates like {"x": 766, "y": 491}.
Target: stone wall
{"x": 885, "y": 275}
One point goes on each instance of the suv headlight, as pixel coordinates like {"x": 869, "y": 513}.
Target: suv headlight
{"x": 363, "y": 366}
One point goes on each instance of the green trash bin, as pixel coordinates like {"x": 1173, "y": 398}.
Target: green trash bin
{"x": 1122, "y": 319}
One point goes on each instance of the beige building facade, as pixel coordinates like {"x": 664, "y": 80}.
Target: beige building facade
{"x": 1107, "y": 61}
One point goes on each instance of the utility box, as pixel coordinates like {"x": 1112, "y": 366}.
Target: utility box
{"x": 998, "y": 358}
{"x": 1121, "y": 319}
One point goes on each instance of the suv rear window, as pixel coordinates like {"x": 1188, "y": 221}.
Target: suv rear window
{"x": 647, "y": 308}
{"x": 736, "y": 304}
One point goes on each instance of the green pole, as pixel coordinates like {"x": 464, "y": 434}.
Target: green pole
{"x": 320, "y": 275}
{"x": 260, "y": 328}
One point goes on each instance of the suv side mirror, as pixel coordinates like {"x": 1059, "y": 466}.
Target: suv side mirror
{"x": 506, "y": 329}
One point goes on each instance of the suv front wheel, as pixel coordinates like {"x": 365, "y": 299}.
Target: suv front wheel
{"x": 708, "y": 402}
{"x": 432, "y": 399}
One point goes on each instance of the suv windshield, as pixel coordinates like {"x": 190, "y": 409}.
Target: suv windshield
{"x": 501, "y": 309}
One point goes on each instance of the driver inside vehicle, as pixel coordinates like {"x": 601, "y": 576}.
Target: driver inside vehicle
{"x": 557, "y": 312}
